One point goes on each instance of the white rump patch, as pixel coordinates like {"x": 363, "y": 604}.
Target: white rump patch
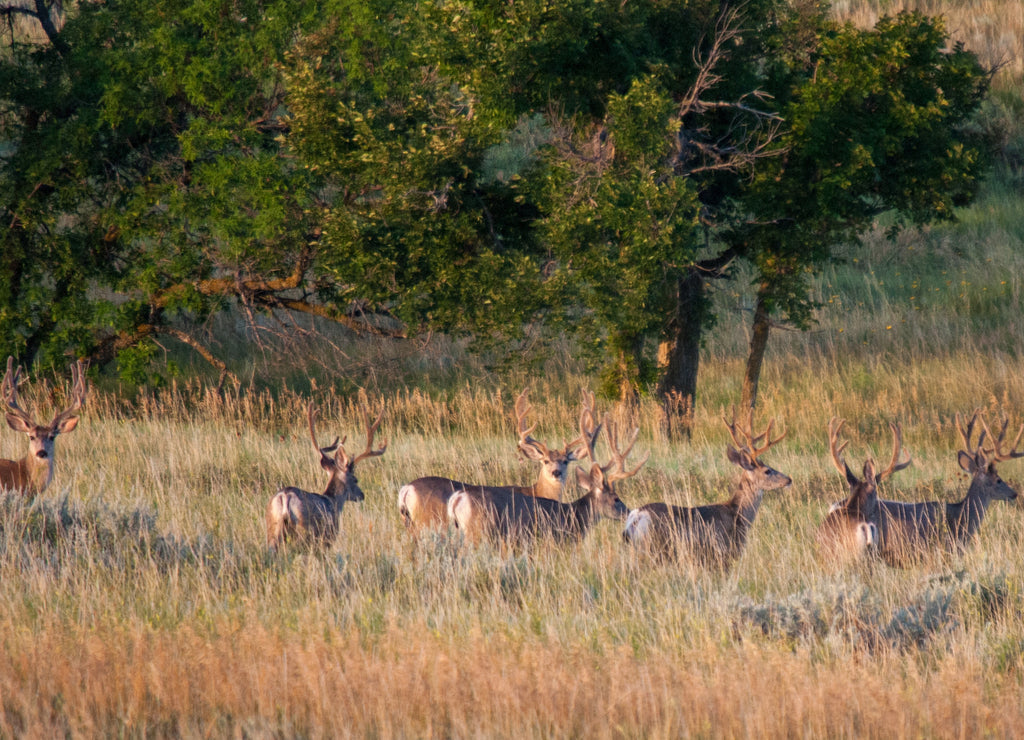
{"x": 867, "y": 535}
{"x": 459, "y": 508}
{"x": 403, "y": 494}
{"x": 638, "y": 526}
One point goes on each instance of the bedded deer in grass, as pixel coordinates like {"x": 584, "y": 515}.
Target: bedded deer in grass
{"x": 850, "y": 528}
{"x": 32, "y": 474}
{"x": 714, "y": 534}
{"x": 423, "y": 502}
{"x": 312, "y": 518}
{"x": 509, "y": 516}
{"x": 909, "y": 530}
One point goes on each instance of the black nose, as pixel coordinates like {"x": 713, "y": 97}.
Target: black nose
{"x": 41, "y": 454}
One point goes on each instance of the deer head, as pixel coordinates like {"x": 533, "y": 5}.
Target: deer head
{"x": 864, "y": 490}
{"x": 850, "y": 528}
{"x": 343, "y": 483}
{"x": 554, "y": 461}
{"x": 980, "y": 461}
{"x": 600, "y": 481}
{"x": 748, "y": 447}
{"x": 41, "y": 436}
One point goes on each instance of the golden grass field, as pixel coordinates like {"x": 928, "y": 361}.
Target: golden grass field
{"x": 137, "y": 597}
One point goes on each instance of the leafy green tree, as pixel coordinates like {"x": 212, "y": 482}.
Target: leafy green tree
{"x": 652, "y": 107}
{"x": 413, "y": 224}
{"x": 791, "y": 134}
{"x": 144, "y": 174}
{"x": 877, "y": 123}
{"x": 267, "y": 155}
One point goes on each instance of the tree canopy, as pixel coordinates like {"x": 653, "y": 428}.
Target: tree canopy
{"x": 459, "y": 166}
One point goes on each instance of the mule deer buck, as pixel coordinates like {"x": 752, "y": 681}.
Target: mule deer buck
{"x": 714, "y": 534}
{"x": 908, "y": 530}
{"x": 313, "y": 517}
{"x": 850, "y": 529}
{"x": 422, "y": 503}
{"x": 32, "y": 474}
{"x": 508, "y": 515}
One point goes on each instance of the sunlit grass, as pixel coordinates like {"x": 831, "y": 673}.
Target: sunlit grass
{"x": 136, "y": 595}
{"x": 992, "y": 29}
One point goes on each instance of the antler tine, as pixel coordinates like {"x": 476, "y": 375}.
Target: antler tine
{"x": 78, "y": 392}
{"x": 587, "y": 404}
{"x": 523, "y": 408}
{"x": 968, "y": 432}
{"x": 371, "y": 431}
{"x": 996, "y": 453}
{"x": 835, "y": 425}
{"x": 616, "y": 469}
{"x": 312, "y": 412}
{"x": 897, "y": 447}
{"x": 9, "y": 390}
{"x": 588, "y": 431}
{"x": 768, "y": 441}
{"x": 754, "y": 438}
{"x": 733, "y": 431}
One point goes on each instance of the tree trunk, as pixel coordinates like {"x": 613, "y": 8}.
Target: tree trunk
{"x": 758, "y": 344}
{"x": 628, "y": 360}
{"x": 679, "y": 353}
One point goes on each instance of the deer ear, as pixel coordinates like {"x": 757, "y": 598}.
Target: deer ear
{"x": 531, "y": 452}
{"x": 967, "y": 463}
{"x": 18, "y": 424}
{"x": 740, "y": 457}
{"x": 583, "y": 480}
{"x": 68, "y": 425}
{"x": 869, "y": 470}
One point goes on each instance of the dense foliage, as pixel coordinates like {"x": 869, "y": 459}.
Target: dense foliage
{"x": 456, "y": 166}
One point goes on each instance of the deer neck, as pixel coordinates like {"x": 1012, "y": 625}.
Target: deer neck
{"x": 30, "y": 475}
{"x": 333, "y": 493}
{"x": 546, "y": 487}
{"x": 746, "y": 500}
{"x": 580, "y": 514}
{"x": 964, "y": 517}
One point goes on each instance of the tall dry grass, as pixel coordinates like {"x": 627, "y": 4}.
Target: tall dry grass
{"x": 992, "y": 29}
{"x": 137, "y": 597}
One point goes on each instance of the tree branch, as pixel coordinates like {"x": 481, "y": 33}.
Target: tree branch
{"x": 203, "y": 352}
